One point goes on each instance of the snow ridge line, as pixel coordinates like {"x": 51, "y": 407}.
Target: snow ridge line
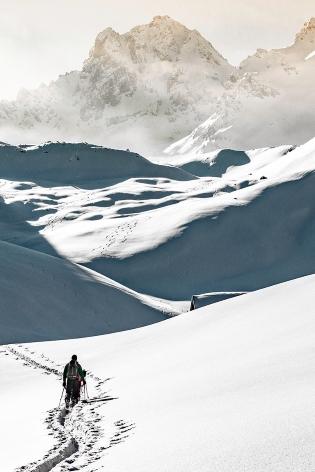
{"x": 80, "y": 430}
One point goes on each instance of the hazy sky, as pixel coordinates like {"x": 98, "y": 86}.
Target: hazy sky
{"x": 40, "y": 39}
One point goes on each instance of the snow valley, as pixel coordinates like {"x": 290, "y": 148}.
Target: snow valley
{"x": 97, "y": 241}
{"x": 121, "y": 242}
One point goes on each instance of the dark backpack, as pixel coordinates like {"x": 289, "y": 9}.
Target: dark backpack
{"x": 73, "y": 371}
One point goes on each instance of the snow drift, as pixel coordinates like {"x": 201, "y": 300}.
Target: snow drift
{"x": 45, "y": 297}
{"x": 226, "y": 387}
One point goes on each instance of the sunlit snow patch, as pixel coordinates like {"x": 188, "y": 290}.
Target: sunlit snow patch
{"x": 312, "y": 54}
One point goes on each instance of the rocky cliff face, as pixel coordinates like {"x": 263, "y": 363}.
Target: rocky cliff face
{"x": 142, "y": 89}
{"x": 271, "y": 103}
{"x": 148, "y": 88}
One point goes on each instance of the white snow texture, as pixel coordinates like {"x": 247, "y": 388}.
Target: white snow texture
{"x": 101, "y": 251}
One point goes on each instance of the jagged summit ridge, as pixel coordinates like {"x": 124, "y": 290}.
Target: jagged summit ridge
{"x": 163, "y": 39}
{"x": 150, "y": 87}
{"x": 271, "y": 103}
{"x": 142, "y": 89}
{"x": 307, "y": 32}
{"x": 304, "y": 43}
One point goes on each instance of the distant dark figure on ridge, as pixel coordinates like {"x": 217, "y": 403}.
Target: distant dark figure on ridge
{"x": 73, "y": 377}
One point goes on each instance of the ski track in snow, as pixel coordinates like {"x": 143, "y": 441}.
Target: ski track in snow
{"x": 80, "y": 438}
{"x": 115, "y": 237}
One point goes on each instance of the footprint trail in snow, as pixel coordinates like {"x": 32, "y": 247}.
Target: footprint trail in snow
{"x": 80, "y": 437}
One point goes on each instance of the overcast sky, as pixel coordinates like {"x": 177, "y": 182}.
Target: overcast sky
{"x": 40, "y": 39}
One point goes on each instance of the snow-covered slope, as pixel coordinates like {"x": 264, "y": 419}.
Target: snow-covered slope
{"x": 174, "y": 238}
{"x": 208, "y": 164}
{"x": 228, "y": 388}
{"x": 44, "y": 297}
{"x": 140, "y": 90}
{"x": 272, "y": 103}
{"x": 236, "y": 241}
{"x": 79, "y": 163}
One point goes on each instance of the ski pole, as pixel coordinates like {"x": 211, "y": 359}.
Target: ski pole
{"x": 61, "y": 396}
{"x": 87, "y": 393}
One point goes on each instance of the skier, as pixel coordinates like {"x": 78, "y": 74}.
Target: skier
{"x": 73, "y": 375}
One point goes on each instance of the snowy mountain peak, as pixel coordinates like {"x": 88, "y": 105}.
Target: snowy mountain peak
{"x": 150, "y": 87}
{"x": 162, "y": 21}
{"x": 307, "y": 32}
{"x": 271, "y": 102}
{"x": 142, "y": 89}
{"x": 106, "y": 41}
{"x": 163, "y": 39}
{"x": 285, "y": 58}
{"x": 106, "y": 34}
{"x": 163, "y": 18}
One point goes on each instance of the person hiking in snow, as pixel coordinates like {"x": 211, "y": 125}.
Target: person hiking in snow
{"x": 73, "y": 375}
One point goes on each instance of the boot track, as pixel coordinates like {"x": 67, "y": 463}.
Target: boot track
{"x": 79, "y": 437}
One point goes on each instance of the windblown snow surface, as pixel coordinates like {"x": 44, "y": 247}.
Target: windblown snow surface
{"x": 68, "y": 299}
{"x": 229, "y": 387}
{"x": 172, "y": 235}
{"x": 96, "y": 241}
{"x": 45, "y": 297}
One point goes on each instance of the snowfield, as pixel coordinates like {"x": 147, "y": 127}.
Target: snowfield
{"x": 99, "y": 249}
{"x": 45, "y": 297}
{"x": 226, "y": 387}
{"x": 169, "y": 236}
